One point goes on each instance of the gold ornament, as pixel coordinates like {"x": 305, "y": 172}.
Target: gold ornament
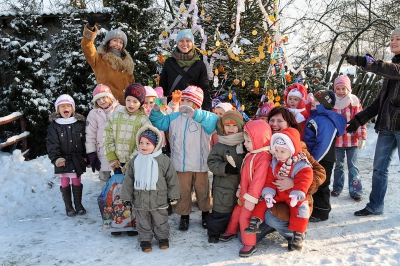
{"x": 261, "y": 55}
{"x": 254, "y": 32}
{"x": 221, "y": 68}
{"x": 243, "y": 83}
{"x": 257, "y": 59}
{"x": 216, "y": 71}
{"x": 230, "y": 96}
{"x": 182, "y": 9}
{"x": 208, "y": 19}
{"x": 256, "y": 84}
{"x": 260, "y": 48}
{"x": 243, "y": 108}
{"x": 164, "y": 33}
{"x": 202, "y": 12}
{"x": 217, "y": 43}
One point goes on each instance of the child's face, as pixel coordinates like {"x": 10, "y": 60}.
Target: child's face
{"x": 395, "y": 44}
{"x": 219, "y": 111}
{"x": 132, "y": 104}
{"x": 277, "y": 123}
{"x": 264, "y": 118}
{"x": 65, "y": 110}
{"x": 281, "y": 154}
{"x": 293, "y": 101}
{"x": 231, "y": 129}
{"x": 341, "y": 91}
{"x": 185, "y": 45}
{"x": 145, "y": 146}
{"x": 248, "y": 143}
{"x": 314, "y": 104}
{"x": 116, "y": 44}
{"x": 149, "y": 101}
{"x": 188, "y": 103}
{"x": 104, "y": 102}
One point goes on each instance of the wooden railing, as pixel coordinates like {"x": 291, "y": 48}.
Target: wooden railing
{"x": 21, "y": 137}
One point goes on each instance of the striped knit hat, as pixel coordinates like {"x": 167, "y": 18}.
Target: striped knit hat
{"x": 101, "y": 91}
{"x": 233, "y": 117}
{"x": 193, "y": 94}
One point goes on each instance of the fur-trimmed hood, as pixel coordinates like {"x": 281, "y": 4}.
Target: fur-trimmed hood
{"x": 154, "y": 129}
{"x": 121, "y": 64}
{"x": 55, "y": 115}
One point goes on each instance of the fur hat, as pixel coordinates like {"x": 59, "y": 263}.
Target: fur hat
{"x": 297, "y": 90}
{"x": 150, "y": 135}
{"x": 288, "y": 138}
{"x": 64, "y": 99}
{"x": 159, "y": 91}
{"x": 342, "y": 80}
{"x": 193, "y": 94}
{"x": 136, "y": 90}
{"x": 116, "y": 34}
{"x": 396, "y": 31}
{"x": 266, "y": 108}
{"x": 150, "y": 92}
{"x": 187, "y": 33}
{"x": 101, "y": 91}
{"x": 233, "y": 117}
{"x": 226, "y": 106}
{"x": 326, "y": 98}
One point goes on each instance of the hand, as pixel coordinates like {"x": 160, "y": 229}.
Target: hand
{"x": 94, "y": 161}
{"x": 294, "y": 200}
{"x": 98, "y": 18}
{"x": 369, "y": 58}
{"x": 147, "y": 109}
{"x": 238, "y": 193}
{"x": 156, "y": 107}
{"x": 249, "y": 205}
{"x": 186, "y": 111}
{"x": 164, "y": 100}
{"x": 230, "y": 160}
{"x": 283, "y": 184}
{"x": 229, "y": 169}
{"x": 269, "y": 199}
{"x": 123, "y": 169}
{"x": 353, "y": 125}
{"x": 114, "y": 164}
{"x": 361, "y": 144}
{"x": 355, "y": 60}
{"x": 176, "y": 96}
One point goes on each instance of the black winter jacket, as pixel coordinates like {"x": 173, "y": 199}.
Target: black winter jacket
{"x": 68, "y": 142}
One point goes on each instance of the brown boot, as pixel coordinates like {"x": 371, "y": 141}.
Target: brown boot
{"x": 77, "y": 191}
{"x": 66, "y": 195}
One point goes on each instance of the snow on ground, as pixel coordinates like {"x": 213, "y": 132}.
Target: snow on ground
{"x": 35, "y": 230}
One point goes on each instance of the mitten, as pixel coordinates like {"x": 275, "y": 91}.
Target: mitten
{"x": 249, "y": 205}
{"x": 229, "y": 169}
{"x": 294, "y": 200}
{"x": 98, "y": 18}
{"x": 361, "y": 144}
{"x": 186, "y": 111}
{"x": 230, "y": 160}
{"x": 164, "y": 100}
{"x": 353, "y": 125}
{"x": 269, "y": 200}
{"x": 238, "y": 193}
{"x": 176, "y": 96}
{"x": 60, "y": 162}
{"x": 114, "y": 164}
{"x": 355, "y": 60}
{"x": 369, "y": 58}
{"x": 156, "y": 108}
{"x": 94, "y": 161}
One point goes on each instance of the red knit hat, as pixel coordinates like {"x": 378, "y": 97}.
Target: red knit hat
{"x": 193, "y": 94}
{"x": 288, "y": 138}
{"x": 342, "y": 80}
{"x": 297, "y": 90}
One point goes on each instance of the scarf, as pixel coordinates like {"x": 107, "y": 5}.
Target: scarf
{"x": 66, "y": 121}
{"x": 185, "y": 60}
{"x": 286, "y": 167}
{"x": 233, "y": 140}
{"x": 342, "y": 103}
{"x": 146, "y": 171}
{"x": 116, "y": 52}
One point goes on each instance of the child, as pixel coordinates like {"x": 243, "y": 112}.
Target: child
{"x": 321, "y": 130}
{"x": 264, "y": 111}
{"x": 257, "y": 136}
{"x": 295, "y": 98}
{"x": 104, "y": 106}
{"x": 122, "y": 126}
{"x": 66, "y": 149}
{"x": 150, "y": 186}
{"x": 288, "y": 162}
{"x": 224, "y": 162}
{"x": 189, "y": 136}
{"x": 219, "y": 110}
{"x": 348, "y": 105}
{"x": 150, "y": 98}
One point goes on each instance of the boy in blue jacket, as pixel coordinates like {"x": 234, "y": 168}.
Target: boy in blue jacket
{"x": 190, "y": 132}
{"x": 320, "y": 133}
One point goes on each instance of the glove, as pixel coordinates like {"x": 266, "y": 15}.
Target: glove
{"x": 355, "y": 60}
{"x": 369, "y": 58}
{"x": 294, "y": 200}
{"x": 229, "y": 169}
{"x": 186, "y": 111}
{"x": 361, "y": 144}
{"x": 94, "y": 162}
{"x": 249, "y": 205}
{"x": 60, "y": 162}
{"x": 97, "y": 18}
{"x": 269, "y": 199}
{"x": 114, "y": 164}
{"x": 353, "y": 125}
{"x": 176, "y": 96}
{"x": 230, "y": 160}
{"x": 238, "y": 193}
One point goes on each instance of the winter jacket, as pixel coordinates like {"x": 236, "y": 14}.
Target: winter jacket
{"x": 68, "y": 142}
{"x": 120, "y": 132}
{"x": 95, "y": 123}
{"x": 386, "y": 105}
{"x": 189, "y": 138}
{"x": 224, "y": 185}
{"x": 321, "y": 131}
{"x": 109, "y": 69}
{"x": 167, "y": 187}
{"x": 198, "y": 73}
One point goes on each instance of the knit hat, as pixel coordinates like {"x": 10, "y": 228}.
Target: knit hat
{"x": 150, "y": 135}
{"x": 233, "y": 117}
{"x": 342, "y": 80}
{"x": 116, "y": 34}
{"x": 159, "y": 91}
{"x": 288, "y": 138}
{"x": 193, "y": 94}
{"x": 150, "y": 92}
{"x": 396, "y": 31}
{"x": 136, "y": 90}
{"x": 226, "y": 106}
{"x": 101, "y": 91}
{"x": 187, "y": 33}
{"x": 326, "y": 98}
{"x": 297, "y": 90}
{"x": 266, "y": 108}
{"x": 64, "y": 99}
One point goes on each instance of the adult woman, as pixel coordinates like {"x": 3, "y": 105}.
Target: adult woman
{"x": 184, "y": 68}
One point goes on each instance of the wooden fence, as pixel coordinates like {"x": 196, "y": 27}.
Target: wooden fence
{"x": 20, "y": 137}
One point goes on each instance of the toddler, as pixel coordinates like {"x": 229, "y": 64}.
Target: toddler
{"x": 295, "y": 98}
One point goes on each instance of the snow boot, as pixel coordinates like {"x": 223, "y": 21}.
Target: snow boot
{"x": 247, "y": 251}
{"x": 77, "y": 191}
{"x": 163, "y": 243}
{"x": 66, "y": 195}
{"x": 297, "y": 241}
{"x": 225, "y": 237}
{"x": 184, "y": 224}
{"x": 204, "y": 219}
{"x": 146, "y": 246}
{"x": 254, "y": 226}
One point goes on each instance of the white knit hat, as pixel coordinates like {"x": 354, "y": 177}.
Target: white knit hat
{"x": 193, "y": 94}
{"x": 396, "y": 31}
{"x": 150, "y": 92}
{"x": 282, "y": 140}
{"x": 226, "y": 106}
{"x": 64, "y": 99}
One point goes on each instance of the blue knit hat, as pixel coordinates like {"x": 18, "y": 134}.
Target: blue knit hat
{"x": 185, "y": 34}
{"x": 150, "y": 135}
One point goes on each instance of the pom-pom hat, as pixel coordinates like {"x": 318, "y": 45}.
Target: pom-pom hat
{"x": 193, "y": 94}
{"x": 101, "y": 91}
{"x": 64, "y": 99}
{"x": 116, "y": 34}
{"x": 326, "y": 98}
{"x": 136, "y": 90}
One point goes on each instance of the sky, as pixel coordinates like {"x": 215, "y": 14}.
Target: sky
{"x": 35, "y": 230}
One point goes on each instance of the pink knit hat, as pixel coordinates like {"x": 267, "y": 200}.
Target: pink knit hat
{"x": 101, "y": 91}
{"x": 64, "y": 99}
{"x": 266, "y": 108}
{"x": 150, "y": 92}
{"x": 193, "y": 94}
{"x": 159, "y": 91}
{"x": 342, "y": 80}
